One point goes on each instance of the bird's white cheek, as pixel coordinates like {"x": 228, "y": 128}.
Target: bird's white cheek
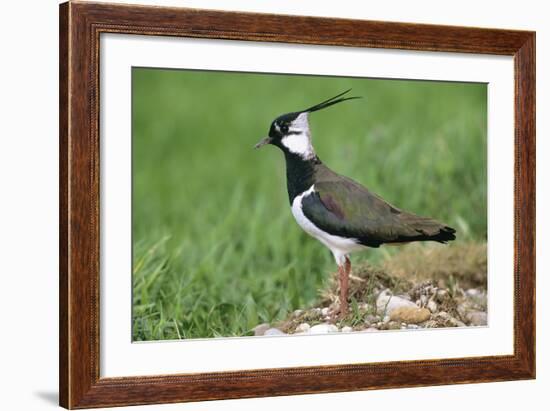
{"x": 298, "y": 144}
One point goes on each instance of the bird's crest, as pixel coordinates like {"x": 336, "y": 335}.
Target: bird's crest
{"x": 331, "y": 101}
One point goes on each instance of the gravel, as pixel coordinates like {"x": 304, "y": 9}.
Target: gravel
{"x": 324, "y": 328}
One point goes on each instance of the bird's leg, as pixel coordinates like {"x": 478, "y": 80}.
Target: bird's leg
{"x": 343, "y": 271}
{"x": 347, "y": 268}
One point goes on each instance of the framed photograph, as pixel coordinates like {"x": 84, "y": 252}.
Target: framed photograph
{"x": 259, "y": 205}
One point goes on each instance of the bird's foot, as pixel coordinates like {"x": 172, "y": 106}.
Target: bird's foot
{"x": 339, "y": 313}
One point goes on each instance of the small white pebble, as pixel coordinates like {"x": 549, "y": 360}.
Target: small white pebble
{"x": 260, "y": 329}
{"x": 371, "y": 318}
{"x": 324, "y": 311}
{"x": 304, "y": 327}
{"x": 323, "y": 329}
{"x": 274, "y": 331}
{"x": 346, "y": 329}
{"x": 477, "y": 318}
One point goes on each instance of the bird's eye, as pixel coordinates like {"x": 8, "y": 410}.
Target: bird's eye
{"x": 284, "y": 128}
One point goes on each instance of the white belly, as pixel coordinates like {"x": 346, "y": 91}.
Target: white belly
{"x": 339, "y": 246}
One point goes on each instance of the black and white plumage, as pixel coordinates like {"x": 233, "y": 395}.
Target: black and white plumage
{"x": 339, "y": 212}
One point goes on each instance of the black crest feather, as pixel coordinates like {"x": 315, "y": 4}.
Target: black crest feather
{"x": 331, "y": 101}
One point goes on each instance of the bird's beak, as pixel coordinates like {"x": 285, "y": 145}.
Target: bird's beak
{"x": 263, "y": 142}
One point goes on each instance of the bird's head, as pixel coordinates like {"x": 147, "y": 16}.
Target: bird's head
{"x": 290, "y": 132}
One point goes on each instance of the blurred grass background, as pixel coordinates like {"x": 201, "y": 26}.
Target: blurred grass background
{"x": 215, "y": 248}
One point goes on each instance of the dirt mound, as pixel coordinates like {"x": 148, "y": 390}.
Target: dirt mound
{"x": 420, "y": 287}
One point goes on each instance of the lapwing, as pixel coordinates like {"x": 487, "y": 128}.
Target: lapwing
{"x": 339, "y": 212}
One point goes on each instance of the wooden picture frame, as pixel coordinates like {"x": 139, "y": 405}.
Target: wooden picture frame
{"x": 80, "y": 27}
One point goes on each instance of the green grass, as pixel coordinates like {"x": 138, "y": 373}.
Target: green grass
{"x": 215, "y": 248}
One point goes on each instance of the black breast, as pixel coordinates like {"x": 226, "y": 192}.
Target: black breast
{"x": 300, "y": 174}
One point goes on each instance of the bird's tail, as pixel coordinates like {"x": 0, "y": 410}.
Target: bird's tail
{"x": 445, "y": 234}
{"x": 427, "y": 229}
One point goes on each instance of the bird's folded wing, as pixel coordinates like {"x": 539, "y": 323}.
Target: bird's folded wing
{"x": 347, "y": 209}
